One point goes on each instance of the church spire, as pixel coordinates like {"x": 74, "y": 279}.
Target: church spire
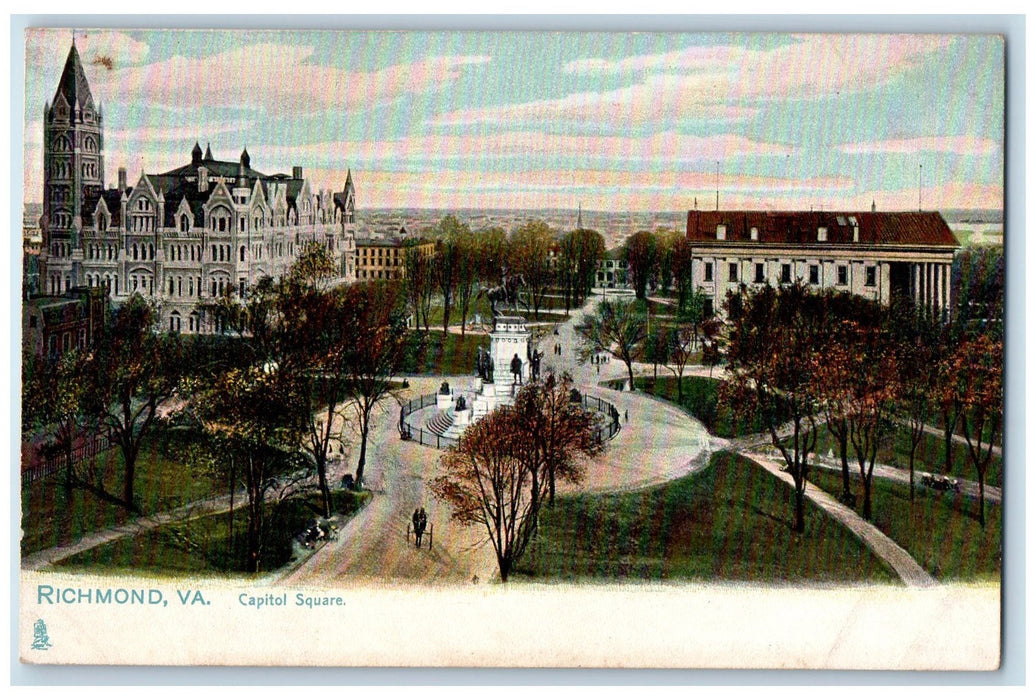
{"x": 208, "y": 152}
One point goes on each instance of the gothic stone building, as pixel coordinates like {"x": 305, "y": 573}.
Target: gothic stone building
{"x": 872, "y": 254}
{"x": 181, "y": 237}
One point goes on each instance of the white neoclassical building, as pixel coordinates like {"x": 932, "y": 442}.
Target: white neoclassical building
{"x": 180, "y": 237}
{"x": 873, "y": 254}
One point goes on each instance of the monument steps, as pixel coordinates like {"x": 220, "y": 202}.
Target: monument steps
{"x": 440, "y": 422}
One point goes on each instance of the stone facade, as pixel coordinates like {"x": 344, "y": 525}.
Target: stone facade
{"x": 872, "y": 254}
{"x": 183, "y": 237}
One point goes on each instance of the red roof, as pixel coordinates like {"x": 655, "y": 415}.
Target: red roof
{"x": 926, "y": 228}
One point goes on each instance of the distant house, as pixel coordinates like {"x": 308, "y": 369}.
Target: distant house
{"x": 55, "y": 324}
{"x": 611, "y": 270}
{"x": 874, "y": 254}
{"x": 385, "y": 258}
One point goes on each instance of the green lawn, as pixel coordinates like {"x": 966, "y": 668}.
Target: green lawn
{"x": 701, "y": 399}
{"x": 50, "y": 518}
{"x": 732, "y": 522}
{"x": 940, "y": 530}
{"x": 930, "y": 456}
{"x": 204, "y": 545}
{"x": 437, "y": 353}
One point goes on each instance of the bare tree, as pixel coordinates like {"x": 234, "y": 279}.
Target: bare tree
{"x": 617, "y": 326}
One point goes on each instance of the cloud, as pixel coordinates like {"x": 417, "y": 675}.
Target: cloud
{"x": 958, "y": 145}
{"x": 720, "y": 83}
{"x": 104, "y": 50}
{"x": 280, "y": 79}
{"x": 644, "y": 151}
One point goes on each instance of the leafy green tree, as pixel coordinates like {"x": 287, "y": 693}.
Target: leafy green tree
{"x": 420, "y": 283}
{"x": 666, "y": 241}
{"x": 641, "y": 260}
{"x": 683, "y": 281}
{"x": 449, "y": 233}
{"x": 529, "y": 251}
{"x": 55, "y": 396}
{"x": 680, "y": 342}
{"x": 581, "y": 251}
{"x": 379, "y": 341}
{"x": 618, "y": 326}
{"x": 132, "y": 372}
{"x": 247, "y": 415}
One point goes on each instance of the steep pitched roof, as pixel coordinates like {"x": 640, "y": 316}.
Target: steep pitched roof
{"x": 800, "y": 227}
{"x": 73, "y": 84}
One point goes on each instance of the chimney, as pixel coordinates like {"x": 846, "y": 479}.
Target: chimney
{"x": 122, "y": 179}
{"x": 874, "y": 207}
{"x": 203, "y": 179}
{"x": 296, "y": 172}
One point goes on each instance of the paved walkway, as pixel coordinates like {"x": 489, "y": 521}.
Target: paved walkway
{"x": 878, "y": 542}
{"x": 211, "y": 506}
{"x": 884, "y": 471}
{"x": 658, "y": 443}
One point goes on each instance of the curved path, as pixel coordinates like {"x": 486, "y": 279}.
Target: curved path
{"x": 658, "y": 443}
{"x": 905, "y": 566}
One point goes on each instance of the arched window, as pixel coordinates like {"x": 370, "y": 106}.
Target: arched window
{"x": 174, "y": 322}
{"x": 134, "y": 251}
{"x": 185, "y": 223}
{"x": 242, "y": 253}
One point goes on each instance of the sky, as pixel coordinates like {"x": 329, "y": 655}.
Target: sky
{"x": 610, "y": 121}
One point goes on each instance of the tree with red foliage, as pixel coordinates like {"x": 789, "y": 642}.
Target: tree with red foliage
{"x": 775, "y": 351}
{"x": 975, "y": 372}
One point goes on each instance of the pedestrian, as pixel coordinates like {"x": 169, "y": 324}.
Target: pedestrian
{"x": 420, "y": 522}
{"x": 416, "y": 520}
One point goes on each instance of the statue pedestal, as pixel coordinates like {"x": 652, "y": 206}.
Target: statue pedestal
{"x": 509, "y": 338}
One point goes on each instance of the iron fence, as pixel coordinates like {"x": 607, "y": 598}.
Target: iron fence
{"x": 40, "y": 469}
{"x": 432, "y": 439}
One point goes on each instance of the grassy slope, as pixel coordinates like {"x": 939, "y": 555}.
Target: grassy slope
{"x": 49, "y": 519}
{"x": 732, "y": 521}
{"x": 940, "y": 531}
{"x": 203, "y": 545}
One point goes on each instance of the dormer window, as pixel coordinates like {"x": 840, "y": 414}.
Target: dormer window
{"x": 721, "y": 232}
{"x": 754, "y": 233}
{"x": 821, "y": 234}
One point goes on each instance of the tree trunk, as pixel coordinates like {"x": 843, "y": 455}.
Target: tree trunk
{"x": 129, "y": 456}
{"x": 913, "y": 451}
{"x": 982, "y": 499}
{"x": 363, "y": 454}
{"x": 629, "y": 371}
{"x": 866, "y": 498}
{"x": 800, "y": 509}
{"x": 325, "y": 491}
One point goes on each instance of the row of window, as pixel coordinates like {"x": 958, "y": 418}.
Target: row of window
{"x": 388, "y": 274}
{"x": 194, "y": 322}
{"x": 65, "y": 344}
{"x": 841, "y": 272}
